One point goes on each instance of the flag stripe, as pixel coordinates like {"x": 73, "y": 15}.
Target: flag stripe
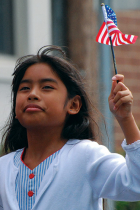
{"x": 118, "y": 38}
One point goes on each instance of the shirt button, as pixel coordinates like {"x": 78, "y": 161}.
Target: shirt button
{"x": 30, "y": 193}
{"x": 31, "y": 176}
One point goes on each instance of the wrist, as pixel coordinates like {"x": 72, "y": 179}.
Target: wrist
{"x": 129, "y": 128}
{"x": 127, "y": 119}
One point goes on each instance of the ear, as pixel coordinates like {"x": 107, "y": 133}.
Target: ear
{"x": 75, "y": 105}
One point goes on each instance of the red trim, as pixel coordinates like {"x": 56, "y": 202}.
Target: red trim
{"x": 23, "y": 153}
{"x": 21, "y": 158}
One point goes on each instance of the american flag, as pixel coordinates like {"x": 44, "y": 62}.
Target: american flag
{"x": 117, "y": 37}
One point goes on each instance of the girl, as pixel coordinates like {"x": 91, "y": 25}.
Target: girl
{"x": 52, "y": 164}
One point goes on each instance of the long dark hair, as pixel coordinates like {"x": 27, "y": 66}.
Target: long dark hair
{"x": 77, "y": 126}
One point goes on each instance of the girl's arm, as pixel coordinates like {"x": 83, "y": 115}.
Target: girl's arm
{"x": 120, "y": 103}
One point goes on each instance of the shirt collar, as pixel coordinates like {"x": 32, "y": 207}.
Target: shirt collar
{"x": 73, "y": 141}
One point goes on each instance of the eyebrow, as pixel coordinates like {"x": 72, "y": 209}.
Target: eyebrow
{"x": 40, "y": 81}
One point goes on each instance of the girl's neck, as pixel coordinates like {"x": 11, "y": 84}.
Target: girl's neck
{"x": 41, "y": 144}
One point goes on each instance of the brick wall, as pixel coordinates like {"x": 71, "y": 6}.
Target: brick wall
{"x": 128, "y": 63}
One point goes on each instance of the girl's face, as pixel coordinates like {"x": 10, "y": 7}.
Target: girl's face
{"x": 42, "y": 99}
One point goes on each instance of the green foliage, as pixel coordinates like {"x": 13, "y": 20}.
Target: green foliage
{"x": 0, "y": 150}
{"x": 121, "y": 205}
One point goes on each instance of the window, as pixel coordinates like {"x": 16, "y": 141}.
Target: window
{"x": 59, "y": 22}
{"x": 6, "y": 27}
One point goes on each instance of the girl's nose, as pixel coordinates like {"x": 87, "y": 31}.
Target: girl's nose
{"x": 34, "y": 95}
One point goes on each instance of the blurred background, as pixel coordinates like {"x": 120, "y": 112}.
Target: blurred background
{"x": 27, "y": 25}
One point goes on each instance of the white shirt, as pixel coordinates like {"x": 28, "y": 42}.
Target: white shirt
{"x": 79, "y": 177}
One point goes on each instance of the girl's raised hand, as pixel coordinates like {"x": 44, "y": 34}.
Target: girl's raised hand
{"x": 120, "y": 98}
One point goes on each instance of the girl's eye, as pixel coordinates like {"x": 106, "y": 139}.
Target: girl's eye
{"x": 47, "y": 87}
{"x": 24, "y": 88}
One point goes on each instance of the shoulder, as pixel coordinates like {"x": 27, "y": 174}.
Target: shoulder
{"x": 9, "y": 157}
{"x": 88, "y": 147}
{"x": 84, "y": 155}
{"x": 6, "y": 162}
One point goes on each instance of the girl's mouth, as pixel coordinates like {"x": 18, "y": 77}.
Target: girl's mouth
{"x": 33, "y": 108}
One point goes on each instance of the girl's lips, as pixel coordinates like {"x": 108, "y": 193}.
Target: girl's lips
{"x": 32, "y": 108}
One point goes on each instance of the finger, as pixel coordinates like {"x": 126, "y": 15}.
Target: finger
{"x": 121, "y": 94}
{"x": 118, "y": 77}
{"x": 120, "y": 87}
{"x": 124, "y": 100}
{"x": 114, "y": 83}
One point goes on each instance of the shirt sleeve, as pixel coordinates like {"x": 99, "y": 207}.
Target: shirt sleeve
{"x": 113, "y": 176}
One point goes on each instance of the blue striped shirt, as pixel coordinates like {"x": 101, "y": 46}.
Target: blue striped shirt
{"x": 28, "y": 181}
